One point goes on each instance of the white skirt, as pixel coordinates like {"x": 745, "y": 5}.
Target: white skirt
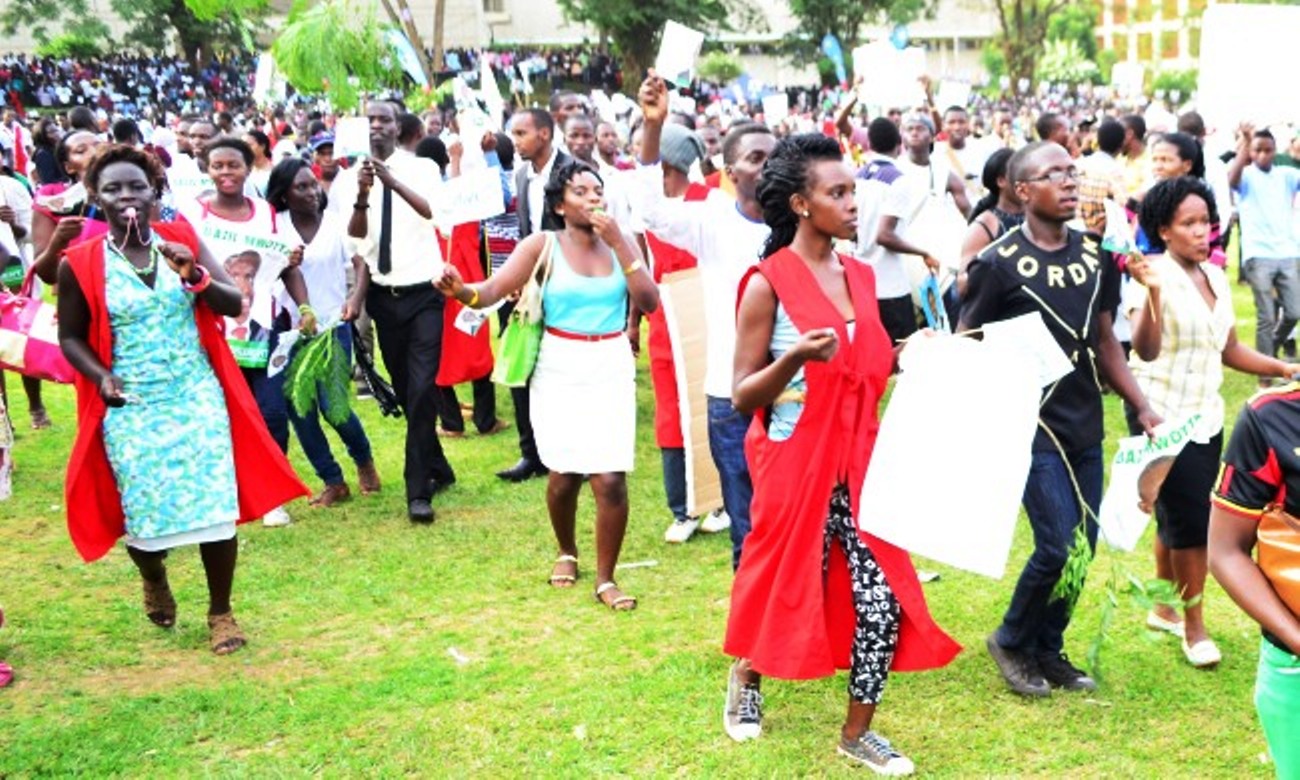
{"x": 582, "y": 401}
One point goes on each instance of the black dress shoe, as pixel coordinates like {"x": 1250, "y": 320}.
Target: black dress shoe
{"x": 420, "y": 511}
{"x": 523, "y": 470}
{"x": 436, "y": 486}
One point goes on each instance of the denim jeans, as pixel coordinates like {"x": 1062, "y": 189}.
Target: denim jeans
{"x": 727, "y": 429}
{"x": 1265, "y": 274}
{"x": 312, "y": 438}
{"x": 269, "y": 394}
{"x": 1035, "y": 622}
{"x": 674, "y": 463}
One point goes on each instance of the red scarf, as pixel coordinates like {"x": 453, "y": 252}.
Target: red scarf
{"x": 94, "y": 506}
{"x": 789, "y": 620}
{"x": 464, "y": 357}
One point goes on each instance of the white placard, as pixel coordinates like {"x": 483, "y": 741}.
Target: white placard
{"x": 943, "y": 482}
{"x": 952, "y": 93}
{"x": 776, "y": 108}
{"x": 491, "y": 94}
{"x": 1244, "y": 50}
{"x": 1137, "y": 471}
{"x": 892, "y": 77}
{"x": 351, "y": 136}
{"x": 678, "y": 50}
{"x": 1028, "y": 337}
{"x": 473, "y": 196}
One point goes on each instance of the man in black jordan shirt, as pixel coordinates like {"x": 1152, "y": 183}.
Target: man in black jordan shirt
{"x": 1045, "y": 267}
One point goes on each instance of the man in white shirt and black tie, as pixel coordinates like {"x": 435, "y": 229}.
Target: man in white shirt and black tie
{"x": 394, "y": 229}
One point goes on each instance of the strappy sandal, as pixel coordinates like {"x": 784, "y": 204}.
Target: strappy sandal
{"x": 225, "y": 634}
{"x": 620, "y": 603}
{"x": 159, "y": 606}
{"x": 560, "y": 579}
{"x": 40, "y": 420}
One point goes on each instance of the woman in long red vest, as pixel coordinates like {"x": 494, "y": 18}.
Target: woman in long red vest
{"x": 814, "y": 593}
{"x": 171, "y": 449}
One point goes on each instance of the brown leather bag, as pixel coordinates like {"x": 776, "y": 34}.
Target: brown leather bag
{"x": 1279, "y": 553}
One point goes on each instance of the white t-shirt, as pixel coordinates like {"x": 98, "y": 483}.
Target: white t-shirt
{"x": 324, "y": 264}
{"x": 725, "y": 243}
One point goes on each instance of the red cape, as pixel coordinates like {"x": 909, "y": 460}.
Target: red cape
{"x": 789, "y": 620}
{"x": 464, "y": 357}
{"x": 94, "y": 505}
{"x": 666, "y": 258}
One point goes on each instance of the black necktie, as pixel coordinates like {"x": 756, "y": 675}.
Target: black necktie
{"x": 385, "y": 233}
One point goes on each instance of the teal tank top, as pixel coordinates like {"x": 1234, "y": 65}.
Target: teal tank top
{"x": 589, "y": 305}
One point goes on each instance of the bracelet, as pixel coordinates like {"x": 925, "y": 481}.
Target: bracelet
{"x": 631, "y": 269}
{"x": 205, "y": 281}
{"x": 473, "y": 301}
{"x": 305, "y": 309}
{"x": 359, "y": 206}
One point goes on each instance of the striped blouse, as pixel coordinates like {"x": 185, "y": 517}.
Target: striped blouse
{"x": 1185, "y": 377}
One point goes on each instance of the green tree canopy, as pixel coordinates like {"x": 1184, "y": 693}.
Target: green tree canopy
{"x": 1022, "y": 32}
{"x": 336, "y": 48}
{"x": 844, "y": 20}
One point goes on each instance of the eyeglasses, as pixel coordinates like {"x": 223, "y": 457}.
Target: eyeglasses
{"x": 1057, "y": 177}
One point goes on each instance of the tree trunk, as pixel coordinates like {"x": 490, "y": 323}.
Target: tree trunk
{"x": 439, "y": 30}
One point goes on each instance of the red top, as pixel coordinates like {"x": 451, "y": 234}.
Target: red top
{"x": 667, "y": 258}
{"x": 464, "y": 357}
{"x": 94, "y": 505}
{"x": 789, "y": 620}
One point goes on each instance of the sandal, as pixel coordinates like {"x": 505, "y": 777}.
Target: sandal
{"x": 40, "y": 420}
{"x": 621, "y": 601}
{"x": 159, "y": 606}
{"x": 225, "y": 634}
{"x": 562, "y": 578}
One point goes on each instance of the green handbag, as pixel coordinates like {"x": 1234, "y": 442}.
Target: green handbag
{"x": 518, "y": 346}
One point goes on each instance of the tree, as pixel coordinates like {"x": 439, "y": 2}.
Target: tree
{"x": 1076, "y": 22}
{"x": 1022, "y": 33}
{"x": 197, "y": 27}
{"x": 844, "y": 20}
{"x": 1064, "y": 62}
{"x": 336, "y": 48}
{"x": 720, "y": 67}
{"x": 634, "y": 26}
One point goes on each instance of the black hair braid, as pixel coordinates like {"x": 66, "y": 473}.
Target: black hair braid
{"x": 784, "y": 174}
{"x": 1162, "y": 202}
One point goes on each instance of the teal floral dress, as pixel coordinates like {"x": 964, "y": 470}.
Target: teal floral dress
{"x": 169, "y": 446}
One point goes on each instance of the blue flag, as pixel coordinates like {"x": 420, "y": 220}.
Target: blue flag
{"x": 831, "y": 48}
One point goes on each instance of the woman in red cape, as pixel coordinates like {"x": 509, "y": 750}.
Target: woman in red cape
{"x": 465, "y": 357}
{"x": 170, "y": 447}
{"x": 814, "y": 593}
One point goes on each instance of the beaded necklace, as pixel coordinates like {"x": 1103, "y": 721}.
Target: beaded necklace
{"x": 148, "y": 269}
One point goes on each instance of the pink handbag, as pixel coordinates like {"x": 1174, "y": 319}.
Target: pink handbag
{"x": 29, "y": 336}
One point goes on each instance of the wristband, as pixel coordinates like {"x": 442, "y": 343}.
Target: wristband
{"x": 358, "y": 206}
{"x": 204, "y": 282}
{"x": 473, "y": 301}
{"x": 305, "y": 308}
{"x": 631, "y": 269}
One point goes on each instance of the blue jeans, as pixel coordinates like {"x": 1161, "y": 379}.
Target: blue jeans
{"x": 269, "y": 394}
{"x": 1035, "y": 622}
{"x": 727, "y": 429}
{"x": 674, "y": 463}
{"x": 312, "y": 438}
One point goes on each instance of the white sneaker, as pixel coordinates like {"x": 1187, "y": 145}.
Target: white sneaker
{"x": 715, "y": 521}
{"x": 681, "y": 531}
{"x": 742, "y": 714}
{"x": 276, "y": 518}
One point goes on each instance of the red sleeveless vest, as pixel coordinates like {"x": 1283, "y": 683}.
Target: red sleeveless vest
{"x": 787, "y": 619}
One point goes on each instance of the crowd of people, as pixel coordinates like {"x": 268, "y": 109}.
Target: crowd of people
{"x": 187, "y": 248}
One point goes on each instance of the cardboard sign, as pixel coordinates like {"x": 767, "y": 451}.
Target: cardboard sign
{"x": 776, "y": 108}
{"x": 681, "y": 294}
{"x": 952, "y": 93}
{"x": 954, "y": 499}
{"x": 892, "y": 77}
{"x": 1137, "y": 471}
{"x": 490, "y": 92}
{"x": 473, "y": 196}
{"x": 678, "y": 49}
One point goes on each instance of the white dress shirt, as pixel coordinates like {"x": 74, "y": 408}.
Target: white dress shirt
{"x": 416, "y": 255}
{"x": 537, "y": 190}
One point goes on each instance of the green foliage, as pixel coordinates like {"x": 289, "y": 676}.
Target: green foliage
{"x": 1183, "y": 81}
{"x": 844, "y": 19}
{"x": 1022, "y": 33}
{"x": 720, "y": 67}
{"x": 38, "y": 16}
{"x": 1106, "y": 59}
{"x": 1076, "y": 22}
{"x": 336, "y": 48}
{"x": 994, "y": 61}
{"x": 320, "y": 362}
{"x": 83, "y": 39}
{"x": 635, "y": 26}
{"x": 210, "y": 10}
{"x": 1064, "y": 62}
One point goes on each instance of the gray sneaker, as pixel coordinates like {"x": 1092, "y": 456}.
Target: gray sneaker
{"x": 875, "y": 753}
{"x": 743, "y": 715}
{"x": 1020, "y": 670}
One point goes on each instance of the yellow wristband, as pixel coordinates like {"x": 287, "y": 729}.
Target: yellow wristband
{"x": 631, "y": 269}
{"x": 473, "y": 301}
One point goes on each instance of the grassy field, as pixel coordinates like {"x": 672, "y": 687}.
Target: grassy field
{"x": 382, "y": 648}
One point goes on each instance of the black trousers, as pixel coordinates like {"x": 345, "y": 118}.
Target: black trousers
{"x": 485, "y": 407}
{"x": 409, "y": 330}
{"x": 519, "y": 395}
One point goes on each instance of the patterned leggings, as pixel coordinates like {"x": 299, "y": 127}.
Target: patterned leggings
{"x": 876, "y": 636}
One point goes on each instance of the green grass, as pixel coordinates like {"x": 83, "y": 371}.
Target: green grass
{"x": 352, "y": 615}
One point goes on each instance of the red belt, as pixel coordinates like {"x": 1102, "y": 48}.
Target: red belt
{"x": 566, "y": 334}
